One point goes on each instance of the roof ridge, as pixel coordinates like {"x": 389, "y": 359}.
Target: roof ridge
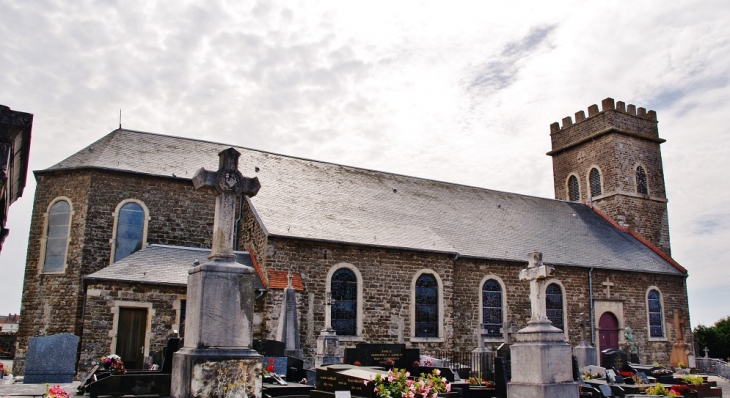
{"x": 640, "y": 239}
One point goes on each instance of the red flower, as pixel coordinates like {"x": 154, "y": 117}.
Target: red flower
{"x": 270, "y": 368}
{"x": 271, "y": 360}
{"x": 356, "y": 363}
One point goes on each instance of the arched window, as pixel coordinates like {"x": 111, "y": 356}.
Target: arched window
{"x": 344, "y": 308}
{"x": 56, "y": 239}
{"x": 492, "y": 308}
{"x": 595, "y": 180}
{"x": 427, "y": 314}
{"x": 130, "y": 231}
{"x": 641, "y": 181}
{"x": 554, "y": 305}
{"x": 573, "y": 189}
{"x": 656, "y": 320}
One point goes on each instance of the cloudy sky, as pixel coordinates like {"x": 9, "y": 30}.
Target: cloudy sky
{"x": 456, "y": 91}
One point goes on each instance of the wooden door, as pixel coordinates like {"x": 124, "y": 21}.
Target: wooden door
{"x": 608, "y": 331}
{"x": 130, "y": 336}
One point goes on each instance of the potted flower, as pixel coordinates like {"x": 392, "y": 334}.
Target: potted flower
{"x": 55, "y": 392}
{"x": 7, "y": 377}
{"x": 398, "y": 383}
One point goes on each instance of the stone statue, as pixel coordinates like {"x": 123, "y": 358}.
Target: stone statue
{"x": 629, "y": 336}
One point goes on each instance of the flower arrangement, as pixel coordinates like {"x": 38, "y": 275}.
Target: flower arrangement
{"x": 626, "y": 373}
{"x": 661, "y": 372}
{"x": 415, "y": 363}
{"x": 398, "y": 384}
{"x": 682, "y": 365}
{"x": 55, "y": 392}
{"x": 356, "y": 363}
{"x": 269, "y": 369}
{"x": 389, "y": 362}
{"x": 682, "y": 389}
{"x": 693, "y": 380}
{"x": 589, "y": 375}
{"x": 5, "y": 371}
{"x": 473, "y": 381}
{"x": 114, "y": 363}
{"x": 659, "y": 389}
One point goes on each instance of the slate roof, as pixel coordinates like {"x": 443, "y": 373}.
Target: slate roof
{"x": 323, "y": 201}
{"x": 160, "y": 264}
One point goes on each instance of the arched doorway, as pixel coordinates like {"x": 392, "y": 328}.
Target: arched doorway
{"x": 608, "y": 331}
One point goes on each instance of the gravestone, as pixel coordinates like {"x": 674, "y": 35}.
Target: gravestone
{"x": 350, "y": 378}
{"x": 500, "y": 378}
{"x": 51, "y": 359}
{"x": 290, "y": 321}
{"x": 613, "y": 358}
{"x": 370, "y": 354}
{"x": 541, "y": 358}
{"x": 217, "y": 357}
{"x": 327, "y": 342}
{"x": 585, "y": 352}
{"x": 269, "y": 348}
{"x": 485, "y": 356}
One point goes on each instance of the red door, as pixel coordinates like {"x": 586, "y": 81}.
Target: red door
{"x": 608, "y": 331}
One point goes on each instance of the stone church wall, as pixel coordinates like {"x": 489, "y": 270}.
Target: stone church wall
{"x": 104, "y": 298}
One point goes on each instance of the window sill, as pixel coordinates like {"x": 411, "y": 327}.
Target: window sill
{"x": 427, "y": 340}
{"x": 657, "y": 339}
{"x": 350, "y": 338}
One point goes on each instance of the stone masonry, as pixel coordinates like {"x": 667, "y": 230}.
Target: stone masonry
{"x": 615, "y": 140}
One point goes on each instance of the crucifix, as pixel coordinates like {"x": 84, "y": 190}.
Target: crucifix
{"x": 706, "y": 350}
{"x": 584, "y": 323}
{"x": 229, "y": 183}
{"x": 608, "y": 285}
{"x": 536, "y": 272}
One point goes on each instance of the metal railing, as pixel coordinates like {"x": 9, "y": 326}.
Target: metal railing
{"x": 714, "y": 366}
{"x": 468, "y": 364}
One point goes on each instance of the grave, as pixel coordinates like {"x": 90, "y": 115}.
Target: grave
{"x": 217, "y": 358}
{"x": 327, "y": 342}
{"x": 585, "y": 352}
{"x": 290, "y": 322}
{"x": 541, "y": 358}
{"x": 51, "y": 359}
{"x": 612, "y": 358}
{"x": 368, "y": 354}
{"x": 333, "y": 378}
{"x": 485, "y": 356}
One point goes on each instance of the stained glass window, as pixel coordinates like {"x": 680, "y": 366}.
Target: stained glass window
{"x": 641, "y": 181}
{"x": 59, "y": 218}
{"x": 427, "y": 316}
{"x": 130, "y": 230}
{"x": 573, "y": 189}
{"x": 344, "y": 308}
{"x": 492, "y": 308}
{"x": 595, "y": 179}
{"x": 554, "y": 305}
{"x": 656, "y": 324}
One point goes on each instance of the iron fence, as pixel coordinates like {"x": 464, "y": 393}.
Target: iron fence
{"x": 468, "y": 364}
{"x": 714, "y": 366}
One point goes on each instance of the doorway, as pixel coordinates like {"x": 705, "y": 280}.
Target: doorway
{"x": 608, "y": 331}
{"x": 131, "y": 335}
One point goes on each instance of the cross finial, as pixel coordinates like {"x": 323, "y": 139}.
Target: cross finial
{"x": 289, "y": 277}
{"x": 608, "y": 285}
{"x": 706, "y": 350}
{"x": 229, "y": 183}
{"x": 507, "y": 331}
{"x": 583, "y": 324}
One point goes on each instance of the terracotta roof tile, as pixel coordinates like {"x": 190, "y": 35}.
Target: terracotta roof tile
{"x": 279, "y": 279}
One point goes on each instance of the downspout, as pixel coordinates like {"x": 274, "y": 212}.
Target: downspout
{"x": 237, "y": 223}
{"x": 590, "y": 302}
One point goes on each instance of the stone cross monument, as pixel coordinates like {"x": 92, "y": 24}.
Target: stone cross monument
{"x": 289, "y": 320}
{"x": 216, "y": 359}
{"x": 679, "y": 348}
{"x": 584, "y": 352}
{"x": 542, "y": 365}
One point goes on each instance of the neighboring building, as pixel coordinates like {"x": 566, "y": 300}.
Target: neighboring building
{"x": 9, "y": 324}
{"x": 14, "y": 149}
{"x": 426, "y": 263}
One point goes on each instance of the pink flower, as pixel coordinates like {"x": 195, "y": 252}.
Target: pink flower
{"x": 437, "y": 372}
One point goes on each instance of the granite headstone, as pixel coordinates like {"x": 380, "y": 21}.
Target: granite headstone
{"x": 51, "y": 359}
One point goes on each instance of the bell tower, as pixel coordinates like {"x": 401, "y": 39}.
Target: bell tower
{"x": 611, "y": 160}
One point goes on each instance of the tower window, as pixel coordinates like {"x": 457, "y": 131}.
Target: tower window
{"x": 595, "y": 180}
{"x": 554, "y": 305}
{"x": 641, "y": 181}
{"x": 573, "y": 189}
{"x": 492, "y": 308}
{"x": 344, "y": 308}
{"x": 427, "y": 315}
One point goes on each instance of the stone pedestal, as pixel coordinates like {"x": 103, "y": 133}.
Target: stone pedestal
{"x": 217, "y": 359}
{"x": 541, "y": 363}
{"x": 679, "y": 354}
{"x": 327, "y": 347}
{"x": 586, "y": 354}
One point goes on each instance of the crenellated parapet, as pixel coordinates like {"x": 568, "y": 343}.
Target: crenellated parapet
{"x": 612, "y": 117}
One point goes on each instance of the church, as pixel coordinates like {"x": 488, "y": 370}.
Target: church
{"x": 433, "y": 265}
